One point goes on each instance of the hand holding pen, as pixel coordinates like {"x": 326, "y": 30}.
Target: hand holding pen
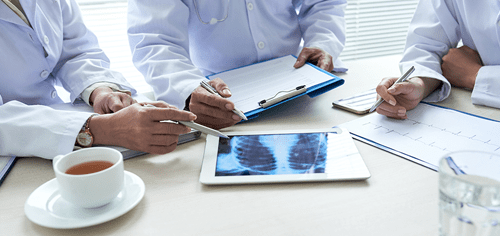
{"x": 212, "y": 90}
{"x": 401, "y": 79}
{"x": 399, "y": 95}
{"x": 212, "y": 108}
{"x": 194, "y": 125}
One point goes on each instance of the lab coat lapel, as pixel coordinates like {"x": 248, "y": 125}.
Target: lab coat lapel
{"x": 6, "y": 14}
{"x": 29, "y": 7}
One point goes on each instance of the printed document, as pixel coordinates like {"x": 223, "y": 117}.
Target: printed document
{"x": 429, "y": 133}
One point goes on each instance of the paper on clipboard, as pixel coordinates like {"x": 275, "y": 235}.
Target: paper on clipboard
{"x": 251, "y": 84}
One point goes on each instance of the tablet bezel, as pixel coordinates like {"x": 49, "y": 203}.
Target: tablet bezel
{"x": 359, "y": 170}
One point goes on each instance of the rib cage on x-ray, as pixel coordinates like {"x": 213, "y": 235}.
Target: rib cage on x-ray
{"x": 272, "y": 154}
{"x": 309, "y": 153}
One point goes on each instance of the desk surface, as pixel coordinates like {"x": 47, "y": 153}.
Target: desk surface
{"x": 401, "y": 198}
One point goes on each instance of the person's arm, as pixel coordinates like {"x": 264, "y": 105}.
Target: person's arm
{"x": 464, "y": 68}
{"x": 432, "y": 32}
{"x": 434, "y": 29}
{"x": 323, "y": 29}
{"x": 38, "y": 130}
{"x": 158, "y": 37}
{"x": 41, "y": 131}
{"x": 82, "y": 63}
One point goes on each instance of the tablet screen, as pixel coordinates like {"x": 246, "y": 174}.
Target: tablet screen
{"x": 273, "y": 154}
{"x": 282, "y": 156}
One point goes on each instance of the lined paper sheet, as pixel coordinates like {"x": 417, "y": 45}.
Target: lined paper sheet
{"x": 252, "y": 84}
{"x": 429, "y": 133}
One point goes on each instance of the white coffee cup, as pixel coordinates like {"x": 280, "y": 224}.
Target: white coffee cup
{"x": 94, "y": 189}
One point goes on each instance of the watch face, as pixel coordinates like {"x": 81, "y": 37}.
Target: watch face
{"x": 84, "y": 139}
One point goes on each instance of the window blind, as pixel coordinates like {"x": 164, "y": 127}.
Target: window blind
{"x": 107, "y": 19}
{"x": 376, "y": 27}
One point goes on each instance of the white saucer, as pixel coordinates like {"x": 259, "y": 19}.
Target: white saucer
{"x": 46, "y": 207}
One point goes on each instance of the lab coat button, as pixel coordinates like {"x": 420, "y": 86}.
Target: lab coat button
{"x": 53, "y": 94}
{"x": 46, "y": 39}
{"x": 250, "y": 6}
{"x": 44, "y": 74}
{"x": 261, "y": 45}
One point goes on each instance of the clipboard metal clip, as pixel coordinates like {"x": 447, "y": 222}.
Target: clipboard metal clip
{"x": 278, "y": 98}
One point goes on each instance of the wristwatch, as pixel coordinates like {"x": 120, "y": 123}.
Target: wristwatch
{"x": 85, "y": 138}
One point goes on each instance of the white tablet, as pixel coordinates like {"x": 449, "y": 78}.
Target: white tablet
{"x": 282, "y": 156}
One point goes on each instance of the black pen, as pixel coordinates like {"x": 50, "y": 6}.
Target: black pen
{"x": 212, "y": 90}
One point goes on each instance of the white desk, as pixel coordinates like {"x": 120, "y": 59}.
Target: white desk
{"x": 401, "y": 198}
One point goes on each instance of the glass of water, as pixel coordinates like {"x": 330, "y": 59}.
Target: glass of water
{"x": 469, "y": 194}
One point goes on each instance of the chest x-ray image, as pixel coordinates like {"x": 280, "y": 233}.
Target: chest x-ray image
{"x": 274, "y": 154}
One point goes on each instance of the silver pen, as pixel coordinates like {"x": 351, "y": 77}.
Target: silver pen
{"x": 212, "y": 90}
{"x": 403, "y": 78}
{"x": 196, "y": 126}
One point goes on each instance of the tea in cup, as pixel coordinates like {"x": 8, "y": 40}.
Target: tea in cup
{"x": 90, "y": 177}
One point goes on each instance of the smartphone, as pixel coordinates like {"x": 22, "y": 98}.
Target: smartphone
{"x": 359, "y": 103}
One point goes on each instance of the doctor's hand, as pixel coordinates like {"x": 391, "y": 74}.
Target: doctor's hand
{"x": 460, "y": 67}
{"x": 317, "y": 56}
{"x": 105, "y": 101}
{"x": 213, "y": 111}
{"x": 403, "y": 96}
{"x": 139, "y": 128}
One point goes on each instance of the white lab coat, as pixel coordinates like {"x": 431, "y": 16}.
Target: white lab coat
{"x": 439, "y": 25}
{"x": 58, "y": 50}
{"x": 174, "y": 50}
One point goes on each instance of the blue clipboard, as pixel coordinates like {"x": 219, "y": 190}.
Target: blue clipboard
{"x": 6, "y": 164}
{"x": 311, "y": 91}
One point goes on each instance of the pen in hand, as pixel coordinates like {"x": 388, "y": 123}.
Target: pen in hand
{"x": 403, "y": 78}
{"x": 196, "y": 126}
{"x": 212, "y": 90}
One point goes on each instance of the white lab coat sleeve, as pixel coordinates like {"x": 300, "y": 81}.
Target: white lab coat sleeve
{"x": 158, "y": 38}
{"x": 82, "y": 63}
{"x": 486, "y": 91}
{"x": 323, "y": 25}
{"x": 38, "y": 130}
{"x": 431, "y": 33}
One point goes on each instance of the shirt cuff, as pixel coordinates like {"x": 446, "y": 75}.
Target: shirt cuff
{"x": 437, "y": 95}
{"x": 486, "y": 88}
{"x": 88, "y": 91}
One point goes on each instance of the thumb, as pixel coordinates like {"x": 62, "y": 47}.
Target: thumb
{"x": 221, "y": 87}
